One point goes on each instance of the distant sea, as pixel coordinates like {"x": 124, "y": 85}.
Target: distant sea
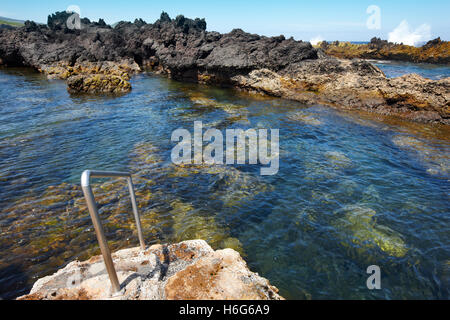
{"x": 394, "y": 69}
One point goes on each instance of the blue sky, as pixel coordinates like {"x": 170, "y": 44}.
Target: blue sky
{"x": 329, "y": 20}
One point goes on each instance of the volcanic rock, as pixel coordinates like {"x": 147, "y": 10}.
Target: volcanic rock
{"x": 182, "y": 49}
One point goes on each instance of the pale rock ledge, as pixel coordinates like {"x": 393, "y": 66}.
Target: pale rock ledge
{"x": 187, "y": 270}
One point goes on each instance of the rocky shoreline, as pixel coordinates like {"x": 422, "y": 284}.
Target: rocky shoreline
{"x": 434, "y": 51}
{"x": 189, "y": 270}
{"x": 100, "y": 59}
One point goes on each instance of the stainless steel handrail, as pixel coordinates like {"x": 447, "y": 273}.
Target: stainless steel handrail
{"x": 92, "y": 206}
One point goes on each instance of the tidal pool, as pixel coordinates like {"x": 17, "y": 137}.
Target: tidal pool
{"x": 352, "y": 190}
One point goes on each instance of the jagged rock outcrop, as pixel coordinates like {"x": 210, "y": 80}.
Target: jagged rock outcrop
{"x": 356, "y": 85}
{"x": 434, "y": 51}
{"x": 184, "y": 50}
{"x": 58, "y": 21}
{"x": 189, "y": 270}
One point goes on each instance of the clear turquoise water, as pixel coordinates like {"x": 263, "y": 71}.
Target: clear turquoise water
{"x": 394, "y": 69}
{"x": 352, "y": 190}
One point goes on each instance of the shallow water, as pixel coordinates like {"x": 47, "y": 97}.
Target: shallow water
{"x": 394, "y": 69}
{"x": 353, "y": 190}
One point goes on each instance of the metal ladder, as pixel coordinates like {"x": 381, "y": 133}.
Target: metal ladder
{"x": 93, "y": 211}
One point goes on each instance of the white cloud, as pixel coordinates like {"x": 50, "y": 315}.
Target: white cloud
{"x": 315, "y": 40}
{"x": 404, "y": 34}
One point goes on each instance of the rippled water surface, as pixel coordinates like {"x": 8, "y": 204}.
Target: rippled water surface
{"x": 352, "y": 190}
{"x": 394, "y": 69}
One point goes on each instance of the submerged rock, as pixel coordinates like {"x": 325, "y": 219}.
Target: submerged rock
{"x": 360, "y": 232}
{"x": 186, "y": 270}
{"x": 188, "y": 223}
{"x": 235, "y": 112}
{"x": 304, "y": 117}
{"x": 412, "y": 143}
{"x": 338, "y": 159}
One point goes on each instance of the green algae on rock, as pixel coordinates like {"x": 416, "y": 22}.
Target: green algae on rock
{"x": 232, "y": 186}
{"x": 93, "y": 77}
{"x": 189, "y": 223}
{"x": 437, "y": 164}
{"x": 338, "y": 159}
{"x": 358, "y": 230}
{"x": 97, "y": 83}
{"x": 236, "y": 113}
